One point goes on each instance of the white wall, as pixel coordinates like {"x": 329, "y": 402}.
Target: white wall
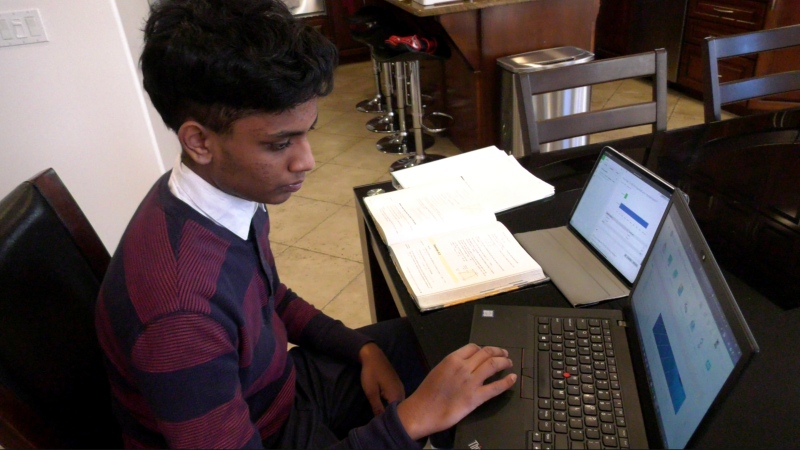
{"x": 133, "y": 14}
{"x": 76, "y": 104}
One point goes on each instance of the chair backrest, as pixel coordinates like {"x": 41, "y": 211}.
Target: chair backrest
{"x": 654, "y": 112}
{"x": 53, "y": 386}
{"x": 716, "y": 94}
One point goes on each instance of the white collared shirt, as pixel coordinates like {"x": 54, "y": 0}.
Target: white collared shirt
{"x": 223, "y": 209}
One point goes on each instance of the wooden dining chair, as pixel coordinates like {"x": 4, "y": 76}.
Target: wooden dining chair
{"x": 538, "y": 131}
{"x": 716, "y": 93}
{"x": 54, "y": 392}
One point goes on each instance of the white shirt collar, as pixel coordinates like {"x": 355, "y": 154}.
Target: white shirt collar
{"x": 225, "y": 210}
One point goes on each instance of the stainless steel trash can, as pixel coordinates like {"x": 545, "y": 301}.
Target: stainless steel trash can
{"x": 549, "y": 105}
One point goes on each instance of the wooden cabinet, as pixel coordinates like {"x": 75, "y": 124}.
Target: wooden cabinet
{"x": 349, "y": 49}
{"x": 782, "y": 13}
{"x": 691, "y": 70}
{"x": 333, "y": 25}
{"x": 706, "y": 18}
{"x": 321, "y": 24}
{"x": 625, "y": 27}
{"x": 748, "y": 15}
{"x": 727, "y": 17}
{"x": 631, "y": 26}
{"x": 612, "y": 35}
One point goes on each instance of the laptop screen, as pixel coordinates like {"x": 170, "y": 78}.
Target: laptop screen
{"x": 689, "y": 347}
{"x": 619, "y": 211}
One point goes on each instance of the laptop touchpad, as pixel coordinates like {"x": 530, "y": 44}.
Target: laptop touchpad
{"x": 515, "y": 354}
{"x": 508, "y": 408}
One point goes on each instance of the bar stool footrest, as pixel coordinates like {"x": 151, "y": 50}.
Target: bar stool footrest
{"x": 403, "y": 144}
{"x": 382, "y": 124}
{"x": 414, "y": 160}
{"x": 436, "y": 122}
{"x": 373, "y": 105}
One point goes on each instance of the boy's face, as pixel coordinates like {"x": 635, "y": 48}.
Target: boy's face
{"x": 265, "y": 157}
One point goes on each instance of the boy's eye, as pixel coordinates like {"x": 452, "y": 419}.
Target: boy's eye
{"x": 281, "y": 145}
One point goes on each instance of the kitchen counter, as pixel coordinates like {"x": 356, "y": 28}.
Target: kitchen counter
{"x": 467, "y": 85}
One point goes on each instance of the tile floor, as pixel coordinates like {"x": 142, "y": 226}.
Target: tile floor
{"x": 315, "y": 234}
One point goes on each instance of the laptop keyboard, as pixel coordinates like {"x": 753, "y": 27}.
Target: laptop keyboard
{"x": 579, "y": 400}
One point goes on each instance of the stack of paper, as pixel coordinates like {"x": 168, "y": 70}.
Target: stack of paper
{"x": 498, "y": 180}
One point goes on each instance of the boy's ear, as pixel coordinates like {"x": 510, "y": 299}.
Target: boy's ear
{"x": 194, "y": 140}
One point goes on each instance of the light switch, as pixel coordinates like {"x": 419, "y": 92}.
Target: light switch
{"x": 20, "y": 30}
{"x": 21, "y": 27}
{"x": 5, "y": 30}
{"x": 33, "y": 25}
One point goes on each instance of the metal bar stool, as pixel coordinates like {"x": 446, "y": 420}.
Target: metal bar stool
{"x": 396, "y": 142}
{"x": 407, "y": 58}
{"x": 422, "y": 140}
{"x": 370, "y": 25}
{"x": 374, "y": 104}
{"x": 387, "y": 122}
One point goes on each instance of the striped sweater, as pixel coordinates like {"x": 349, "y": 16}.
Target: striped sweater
{"x": 194, "y": 325}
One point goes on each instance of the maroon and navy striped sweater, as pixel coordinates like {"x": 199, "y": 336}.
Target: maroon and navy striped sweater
{"x": 194, "y": 324}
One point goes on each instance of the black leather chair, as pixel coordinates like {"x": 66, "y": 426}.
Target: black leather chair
{"x": 53, "y": 388}
{"x": 716, "y": 94}
{"x": 654, "y": 112}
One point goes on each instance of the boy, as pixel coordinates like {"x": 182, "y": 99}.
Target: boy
{"x": 192, "y": 316}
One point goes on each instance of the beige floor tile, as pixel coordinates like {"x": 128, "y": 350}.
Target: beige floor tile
{"x": 363, "y": 86}
{"x": 365, "y": 155}
{"x": 277, "y": 248}
{"x": 352, "y": 201}
{"x": 619, "y": 134}
{"x": 630, "y": 92}
{"x": 334, "y": 183}
{"x": 316, "y": 277}
{"x": 683, "y": 120}
{"x": 638, "y": 86}
{"x": 325, "y": 116}
{"x": 597, "y": 105}
{"x": 443, "y": 146}
{"x": 351, "y": 306}
{"x": 354, "y": 70}
{"x": 352, "y": 123}
{"x": 386, "y": 177}
{"x": 672, "y": 102}
{"x": 689, "y": 107}
{"x": 604, "y": 91}
{"x": 687, "y": 112}
{"x": 336, "y": 236}
{"x": 296, "y": 217}
{"x": 344, "y": 102}
{"x": 327, "y": 146}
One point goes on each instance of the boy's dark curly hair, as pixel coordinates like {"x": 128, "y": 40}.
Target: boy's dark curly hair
{"x": 216, "y": 61}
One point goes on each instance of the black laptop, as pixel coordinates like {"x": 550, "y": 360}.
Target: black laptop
{"x": 598, "y": 254}
{"x": 585, "y": 376}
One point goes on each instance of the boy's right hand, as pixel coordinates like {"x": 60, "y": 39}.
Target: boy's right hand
{"x": 454, "y": 388}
